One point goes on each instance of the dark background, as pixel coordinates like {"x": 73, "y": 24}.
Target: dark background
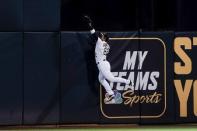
{"x": 121, "y": 15}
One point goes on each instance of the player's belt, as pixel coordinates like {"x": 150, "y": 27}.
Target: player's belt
{"x": 99, "y": 62}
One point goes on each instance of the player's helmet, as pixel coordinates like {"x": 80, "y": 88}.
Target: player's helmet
{"x": 104, "y": 36}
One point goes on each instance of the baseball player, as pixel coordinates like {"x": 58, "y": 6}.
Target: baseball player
{"x": 101, "y": 50}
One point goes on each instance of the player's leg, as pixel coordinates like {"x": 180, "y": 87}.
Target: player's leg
{"x": 105, "y": 84}
{"x": 109, "y": 96}
{"x": 105, "y": 69}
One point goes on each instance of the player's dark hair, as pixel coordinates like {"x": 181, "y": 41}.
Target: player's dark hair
{"x": 106, "y": 37}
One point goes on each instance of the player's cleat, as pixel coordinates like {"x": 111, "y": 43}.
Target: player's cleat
{"x": 108, "y": 97}
{"x": 115, "y": 92}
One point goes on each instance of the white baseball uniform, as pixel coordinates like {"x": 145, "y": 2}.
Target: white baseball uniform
{"x": 101, "y": 50}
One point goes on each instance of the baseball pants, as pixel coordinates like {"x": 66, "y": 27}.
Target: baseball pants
{"x": 106, "y": 74}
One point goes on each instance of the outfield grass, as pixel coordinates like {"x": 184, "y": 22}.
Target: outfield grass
{"x": 166, "y": 128}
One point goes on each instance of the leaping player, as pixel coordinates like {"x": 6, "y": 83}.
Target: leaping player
{"x": 101, "y": 50}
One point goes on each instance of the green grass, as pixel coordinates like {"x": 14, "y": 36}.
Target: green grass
{"x": 144, "y": 128}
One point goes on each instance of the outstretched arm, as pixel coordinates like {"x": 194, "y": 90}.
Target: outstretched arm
{"x": 91, "y": 28}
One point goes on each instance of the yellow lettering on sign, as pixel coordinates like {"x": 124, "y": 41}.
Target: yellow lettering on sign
{"x": 194, "y": 40}
{"x": 195, "y": 97}
{"x": 187, "y": 67}
{"x": 183, "y": 94}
